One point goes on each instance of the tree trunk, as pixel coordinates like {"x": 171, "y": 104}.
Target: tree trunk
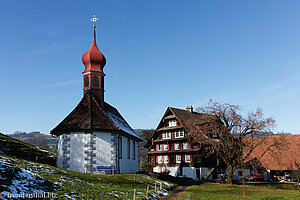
{"x": 229, "y": 174}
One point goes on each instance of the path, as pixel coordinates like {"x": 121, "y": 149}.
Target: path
{"x": 177, "y": 193}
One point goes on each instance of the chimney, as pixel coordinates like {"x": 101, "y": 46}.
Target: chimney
{"x": 190, "y": 109}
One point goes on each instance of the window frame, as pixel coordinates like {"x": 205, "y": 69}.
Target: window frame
{"x": 166, "y": 159}
{"x": 178, "y": 160}
{"x": 159, "y": 147}
{"x": 175, "y": 144}
{"x": 166, "y": 135}
{"x": 172, "y": 123}
{"x": 187, "y": 160}
{"x": 180, "y": 134}
{"x": 185, "y": 145}
{"x": 164, "y": 147}
{"x": 159, "y": 158}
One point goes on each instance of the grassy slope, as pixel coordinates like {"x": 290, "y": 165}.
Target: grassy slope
{"x": 226, "y": 192}
{"x": 20, "y": 174}
{"x": 13, "y": 147}
{"x": 67, "y": 184}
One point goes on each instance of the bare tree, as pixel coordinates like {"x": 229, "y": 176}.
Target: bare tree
{"x": 231, "y": 136}
{"x": 146, "y": 135}
{"x": 37, "y": 139}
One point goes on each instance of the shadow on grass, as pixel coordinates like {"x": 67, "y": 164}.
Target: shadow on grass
{"x": 176, "y": 180}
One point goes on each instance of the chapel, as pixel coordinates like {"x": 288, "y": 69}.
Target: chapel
{"x": 94, "y": 137}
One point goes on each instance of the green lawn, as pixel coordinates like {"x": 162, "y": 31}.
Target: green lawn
{"x": 226, "y": 192}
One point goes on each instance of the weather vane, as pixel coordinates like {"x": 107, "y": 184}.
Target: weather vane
{"x": 94, "y": 20}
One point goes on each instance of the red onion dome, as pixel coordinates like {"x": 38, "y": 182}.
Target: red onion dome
{"x": 93, "y": 59}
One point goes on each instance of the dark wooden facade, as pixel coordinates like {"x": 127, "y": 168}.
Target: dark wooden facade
{"x": 172, "y": 144}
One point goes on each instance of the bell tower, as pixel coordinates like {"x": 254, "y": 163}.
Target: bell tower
{"x": 93, "y": 75}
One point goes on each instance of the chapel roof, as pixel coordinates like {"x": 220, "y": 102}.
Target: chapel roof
{"x": 88, "y": 115}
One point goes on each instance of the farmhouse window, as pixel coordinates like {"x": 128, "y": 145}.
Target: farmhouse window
{"x": 185, "y": 145}
{"x": 172, "y": 123}
{"x": 176, "y": 146}
{"x": 166, "y": 147}
{"x": 179, "y": 134}
{"x": 187, "y": 158}
{"x": 166, "y": 159}
{"x": 159, "y": 159}
{"x": 159, "y": 147}
{"x": 166, "y": 135}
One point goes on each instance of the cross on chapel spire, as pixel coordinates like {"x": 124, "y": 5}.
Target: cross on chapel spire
{"x": 94, "y": 20}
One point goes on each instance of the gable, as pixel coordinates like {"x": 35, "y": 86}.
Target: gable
{"x": 189, "y": 121}
{"x": 89, "y": 115}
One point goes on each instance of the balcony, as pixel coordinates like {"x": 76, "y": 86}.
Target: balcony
{"x": 170, "y": 140}
{"x": 181, "y": 151}
{"x": 169, "y": 128}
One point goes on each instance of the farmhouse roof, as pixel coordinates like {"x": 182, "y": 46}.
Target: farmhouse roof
{"x": 190, "y": 121}
{"x": 88, "y": 115}
{"x": 284, "y": 158}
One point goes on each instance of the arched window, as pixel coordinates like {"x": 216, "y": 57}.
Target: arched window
{"x": 95, "y": 81}
{"x": 128, "y": 149}
{"x": 86, "y": 82}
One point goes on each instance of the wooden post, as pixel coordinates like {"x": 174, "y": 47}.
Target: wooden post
{"x": 244, "y": 189}
{"x": 155, "y": 188}
{"x": 147, "y": 191}
{"x": 160, "y": 185}
{"x": 134, "y": 194}
{"x": 126, "y": 196}
{"x": 134, "y": 177}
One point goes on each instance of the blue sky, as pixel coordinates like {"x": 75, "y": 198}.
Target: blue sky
{"x": 159, "y": 54}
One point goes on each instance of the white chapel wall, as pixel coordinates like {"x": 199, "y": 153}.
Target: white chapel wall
{"x": 129, "y": 165}
{"x": 104, "y": 149}
{"x": 76, "y": 151}
{"x": 59, "y": 152}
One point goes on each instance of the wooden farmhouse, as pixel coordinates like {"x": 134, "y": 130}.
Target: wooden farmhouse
{"x": 94, "y": 137}
{"x": 173, "y": 151}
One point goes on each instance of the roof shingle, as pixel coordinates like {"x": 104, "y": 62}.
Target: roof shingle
{"x": 89, "y": 115}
